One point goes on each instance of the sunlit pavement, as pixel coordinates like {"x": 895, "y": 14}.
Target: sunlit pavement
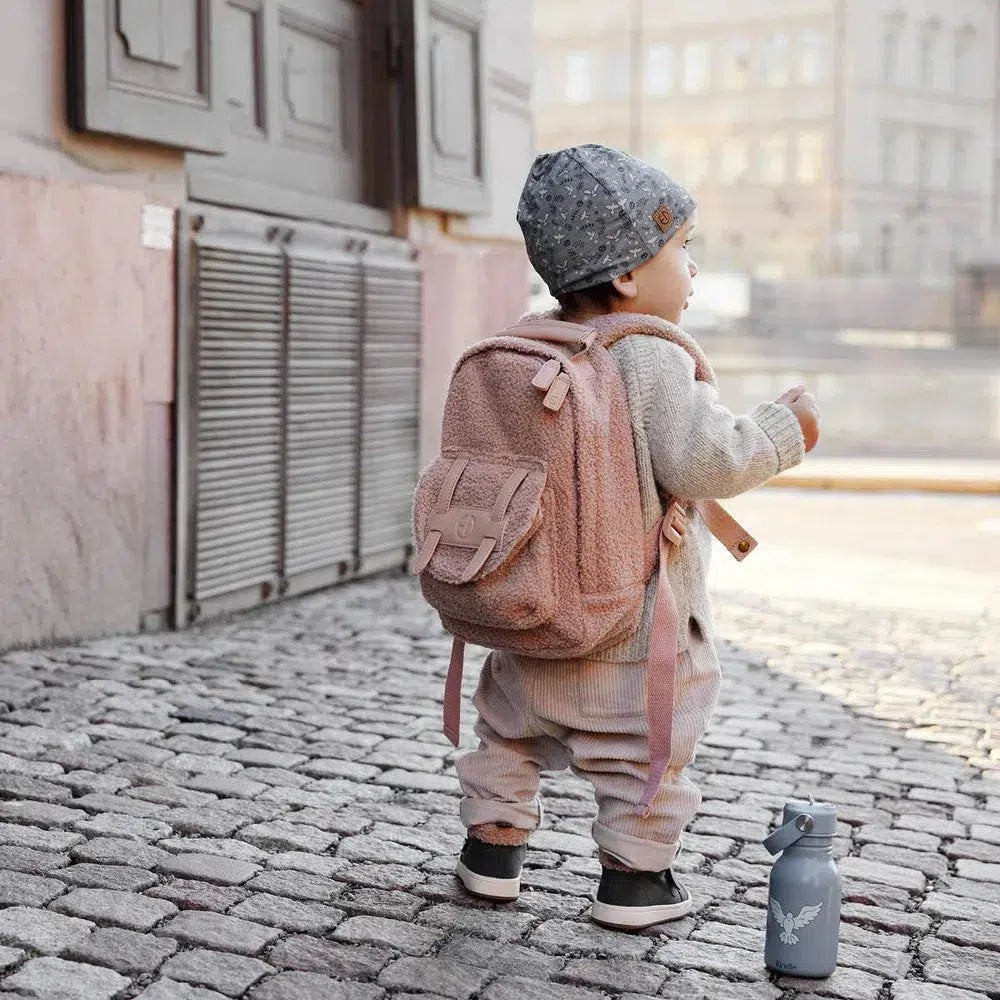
{"x": 908, "y": 551}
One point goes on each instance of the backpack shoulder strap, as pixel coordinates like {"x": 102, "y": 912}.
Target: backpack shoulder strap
{"x": 614, "y": 326}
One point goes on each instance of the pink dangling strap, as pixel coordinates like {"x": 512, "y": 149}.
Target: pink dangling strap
{"x": 661, "y": 663}
{"x": 453, "y": 692}
{"x": 661, "y": 672}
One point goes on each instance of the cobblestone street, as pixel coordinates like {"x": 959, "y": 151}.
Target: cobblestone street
{"x": 266, "y": 808}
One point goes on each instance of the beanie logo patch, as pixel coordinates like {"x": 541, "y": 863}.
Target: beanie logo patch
{"x": 663, "y": 217}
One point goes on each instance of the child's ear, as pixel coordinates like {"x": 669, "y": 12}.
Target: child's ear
{"x": 626, "y": 285}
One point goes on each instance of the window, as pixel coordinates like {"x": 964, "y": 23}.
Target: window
{"x": 928, "y": 46}
{"x": 694, "y": 157}
{"x": 737, "y": 58}
{"x": 578, "y": 77}
{"x": 890, "y": 154}
{"x": 776, "y": 58}
{"x": 696, "y": 67}
{"x": 925, "y": 152}
{"x": 660, "y": 70}
{"x": 735, "y": 161}
{"x": 958, "y": 247}
{"x": 885, "y": 248}
{"x": 963, "y": 72}
{"x": 772, "y": 159}
{"x": 813, "y": 56}
{"x": 890, "y": 51}
{"x": 618, "y": 76}
{"x": 922, "y": 248}
{"x": 809, "y": 162}
{"x": 959, "y": 163}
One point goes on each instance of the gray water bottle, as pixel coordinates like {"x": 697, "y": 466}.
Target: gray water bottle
{"x": 803, "y": 906}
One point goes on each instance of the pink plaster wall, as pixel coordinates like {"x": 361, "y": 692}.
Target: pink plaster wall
{"x": 472, "y": 289}
{"x": 86, "y": 360}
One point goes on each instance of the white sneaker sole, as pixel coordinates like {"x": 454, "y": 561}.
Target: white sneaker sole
{"x": 634, "y": 918}
{"x": 497, "y": 889}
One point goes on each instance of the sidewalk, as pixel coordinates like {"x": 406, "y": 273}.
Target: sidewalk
{"x": 265, "y": 808}
{"x": 977, "y": 476}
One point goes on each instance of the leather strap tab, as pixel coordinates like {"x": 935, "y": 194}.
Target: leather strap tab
{"x": 426, "y": 552}
{"x": 465, "y": 526}
{"x": 447, "y": 493}
{"x": 727, "y": 529}
{"x": 505, "y": 496}
{"x": 486, "y": 546}
{"x": 453, "y": 691}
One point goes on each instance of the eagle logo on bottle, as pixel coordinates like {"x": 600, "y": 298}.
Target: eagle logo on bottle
{"x": 788, "y": 923}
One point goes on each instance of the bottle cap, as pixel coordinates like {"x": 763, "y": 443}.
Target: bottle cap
{"x": 802, "y": 819}
{"x": 824, "y": 816}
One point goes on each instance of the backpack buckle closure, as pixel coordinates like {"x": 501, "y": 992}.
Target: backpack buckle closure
{"x": 675, "y": 523}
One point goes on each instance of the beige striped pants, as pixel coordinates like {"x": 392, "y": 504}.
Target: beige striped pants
{"x": 541, "y": 715}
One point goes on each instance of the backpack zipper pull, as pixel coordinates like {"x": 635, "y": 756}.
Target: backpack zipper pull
{"x": 556, "y": 395}
{"x": 546, "y": 375}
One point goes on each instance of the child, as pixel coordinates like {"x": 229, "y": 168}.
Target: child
{"x": 609, "y": 235}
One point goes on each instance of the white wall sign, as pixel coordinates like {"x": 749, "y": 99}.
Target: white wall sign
{"x": 158, "y": 227}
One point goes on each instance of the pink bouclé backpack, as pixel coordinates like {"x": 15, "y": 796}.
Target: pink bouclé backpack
{"x": 528, "y": 527}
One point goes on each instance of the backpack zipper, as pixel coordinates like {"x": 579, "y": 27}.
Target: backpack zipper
{"x": 556, "y": 395}
{"x": 554, "y": 381}
{"x": 547, "y": 375}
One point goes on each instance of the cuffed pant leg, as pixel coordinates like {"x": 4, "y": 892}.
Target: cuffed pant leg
{"x": 499, "y": 781}
{"x": 617, "y": 764}
{"x": 500, "y": 778}
{"x": 646, "y": 843}
{"x": 652, "y": 842}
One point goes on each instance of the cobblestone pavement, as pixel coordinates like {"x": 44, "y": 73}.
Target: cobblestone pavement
{"x": 266, "y": 808}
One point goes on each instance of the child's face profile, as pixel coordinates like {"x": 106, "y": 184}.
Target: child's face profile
{"x": 662, "y": 286}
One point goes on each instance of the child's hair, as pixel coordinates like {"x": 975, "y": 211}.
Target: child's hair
{"x": 601, "y": 296}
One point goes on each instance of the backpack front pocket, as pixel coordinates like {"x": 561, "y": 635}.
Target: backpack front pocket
{"x": 484, "y": 531}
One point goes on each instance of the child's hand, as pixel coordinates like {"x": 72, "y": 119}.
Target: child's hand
{"x": 803, "y": 404}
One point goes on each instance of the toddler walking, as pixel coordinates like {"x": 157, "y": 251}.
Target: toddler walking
{"x": 609, "y": 234}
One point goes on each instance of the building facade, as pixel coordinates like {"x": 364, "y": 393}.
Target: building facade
{"x": 821, "y": 137}
{"x": 241, "y": 243}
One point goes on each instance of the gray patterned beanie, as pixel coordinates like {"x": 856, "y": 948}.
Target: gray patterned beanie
{"x": 590, "y": 213}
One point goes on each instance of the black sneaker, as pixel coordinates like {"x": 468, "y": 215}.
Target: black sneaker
{"x": 629, "y": 901}
{"x": 491, "y": 871}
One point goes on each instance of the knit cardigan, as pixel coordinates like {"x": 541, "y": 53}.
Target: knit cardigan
{"x": 690, "y": 447}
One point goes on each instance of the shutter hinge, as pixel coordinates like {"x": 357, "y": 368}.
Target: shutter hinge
{"x": 393, "y": 49}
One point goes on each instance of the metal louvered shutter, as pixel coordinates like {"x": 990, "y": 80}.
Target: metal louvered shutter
{"x": 239, "y": 321}
{"x": 324, "y": 395}
{"x": 391, "y": 401}
{"x": 298, "y": 383}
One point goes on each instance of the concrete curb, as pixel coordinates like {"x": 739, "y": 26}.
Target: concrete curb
{"x": 976, "y": 484}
